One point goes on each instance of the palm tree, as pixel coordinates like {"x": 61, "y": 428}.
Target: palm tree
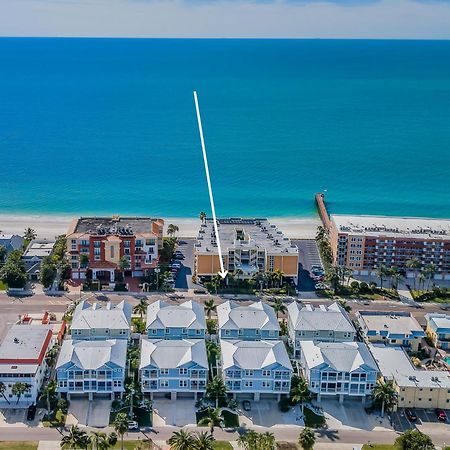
{"x": 278, "y": 277}
{"x": 321, "y": 234}
{"x": 202, "y": 216}
{"x": 429, "y": 270}
{"x": 124, "y": 263}
{"x": 210, "y": 306}
{"x": 98, "y": 440}
{"x": 260, "y": 279}
{"x": 257, "y": 441}
{"x": 279, "y": 306}
{"x": 300, "y": 393}
{"x": 19, "y": 389}
{"x": 181, "y": 440}
{"x": 396, "y": 279}
{"x": 216, "y": 281}
{"x": 3, "y": 390}
{"x": 216, "y": 388}
{"x": 213, "y": 352}
{"x": 172, "y": 230}
{"x": 333, "y": 277}
{"x": 49, "y": 392}
{"x": 307, "y": 438}
{"x": 76, "y": 438}
{"x": 212, "y": 418}
{"x": 386, "y": 393}
{"x": 29, "y": 234}
{"x": 237, "y": 273}
{"x": 204, "y": 441}
{"x": 421, "y": 278}
{"x": 381, "y": 273}
{"x": 141, "y": 307}
{"x": 121, "y": 426}
{"x": 413, "y": 264}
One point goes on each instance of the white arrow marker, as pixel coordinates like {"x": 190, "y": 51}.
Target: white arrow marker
{"x": 223, "y": 272}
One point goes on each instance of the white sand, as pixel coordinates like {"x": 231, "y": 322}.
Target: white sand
{"x": 49, "y": 226}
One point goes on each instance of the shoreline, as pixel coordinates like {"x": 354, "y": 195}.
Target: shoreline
{"x": 48, "y": 226}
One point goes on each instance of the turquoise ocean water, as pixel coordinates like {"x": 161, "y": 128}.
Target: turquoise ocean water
{"x": 109, "y": 126}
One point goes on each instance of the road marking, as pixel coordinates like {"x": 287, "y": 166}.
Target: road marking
{"x": 223, "y": 272}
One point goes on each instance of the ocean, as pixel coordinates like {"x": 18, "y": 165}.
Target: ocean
{"x": 102, "y": 126}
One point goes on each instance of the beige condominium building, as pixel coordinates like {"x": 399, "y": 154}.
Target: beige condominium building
{"x": 364, "y": 243}
{"x": 251, "y": 245}
{"x": 416, "y": 388}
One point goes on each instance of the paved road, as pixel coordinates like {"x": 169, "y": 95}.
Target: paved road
{"x": 282, "y": 433}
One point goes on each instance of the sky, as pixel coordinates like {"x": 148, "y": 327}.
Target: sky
{"x": 386, "y": 19}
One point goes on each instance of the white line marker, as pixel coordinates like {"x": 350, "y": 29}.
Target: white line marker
{"x": 222, "y": 272}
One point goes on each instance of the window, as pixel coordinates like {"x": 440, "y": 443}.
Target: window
{"x": 249, "y": 373}
{"x": 266, "y": 373}
{"x": 154, "y": 331}
{"x": 241, "y": 332}
{"x": 117, "y": 383}
{"x": 112, "y": 251}
{"x": 164, "y": 383}
{"x": 227, "y": 332}
{"x": 198, "y": 331}
{"x": 271, "y": 333}
{"x": 248, "y": 384}
{"x": 258, "y": 332}
{"x": 164, "y": 371}
{"x": 183, "y": 371}
{"x": 167, "y": 330}
{"x": 266, "y": 384}
{"x": 183, "y": 331}
{"x": 183, "y": 383}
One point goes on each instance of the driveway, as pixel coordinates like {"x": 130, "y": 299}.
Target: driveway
{"x": 184, "y": 277}
{"x": 89, "y": 413}
{"x": 351, "y": 415}
{"x": 266, "y": 413}
{"x": 308, "y": 255}
{"x": 177, "y": 413}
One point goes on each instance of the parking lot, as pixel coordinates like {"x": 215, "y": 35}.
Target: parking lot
{"x": 308, "y": 255}
{"x": 184, "y": 276}
{"x": 425, "y": 418}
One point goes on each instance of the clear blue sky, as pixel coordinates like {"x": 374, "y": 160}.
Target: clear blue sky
{"x": 409, "y": 19}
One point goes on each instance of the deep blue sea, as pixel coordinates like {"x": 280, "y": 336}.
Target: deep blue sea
{"x": 109, "y": 126}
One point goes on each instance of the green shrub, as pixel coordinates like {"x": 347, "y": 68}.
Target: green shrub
{"x": 354, "y": 285}
{"x": 364, "y": 287}
{"x": 284, "y": 404}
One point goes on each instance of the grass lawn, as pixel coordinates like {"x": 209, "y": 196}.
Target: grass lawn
{"x": 231, "y": 420}
{"x": 312, "y": 419}
{"x": 222, "y": 445}
{"x": 380, "y": 447}
{"x": 58, "y": 419}
{"x": 25, "y": 445}
{"x": 3, "y": 286}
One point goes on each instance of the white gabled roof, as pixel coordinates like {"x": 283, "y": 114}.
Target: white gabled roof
{"x": 115, "y": 317}
{"x": 189, "y": 315}
{"x": 253, "y": 354}
{"x": 171, "y": 354}
{"x": 339, "y": 356}
{"x": 91, "y": 355}
{"x": 308, "y": 318}
{"x": 259, "y": 315}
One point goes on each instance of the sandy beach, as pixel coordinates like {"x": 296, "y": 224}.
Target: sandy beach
{"x": 49, "y": 226}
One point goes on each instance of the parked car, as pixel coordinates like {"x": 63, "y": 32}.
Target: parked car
{"x": 133, "y": 425}
{"x": 246, "y": 405}
{"x": 31, "y": 412}
{"x": 320, "y": 286}
{"x": 441, "y": 415}
{"x": 411, "y": 414}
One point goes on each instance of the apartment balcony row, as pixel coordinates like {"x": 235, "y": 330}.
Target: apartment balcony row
{"x": 154, "y": 376}
{"x": 192, "y": 387}
{"x": 251, "y": 389}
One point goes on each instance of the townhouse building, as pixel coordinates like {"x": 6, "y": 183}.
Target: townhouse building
{"x": 92, "y": 367}
{"x": 176, "y": 367}
{"x": 438, "y": 330}
{"x": 391, "y": 328}
{"x": 22, "y": 360}
{"x": 248, "y": 245}
{"x": 338, "y": 369}
{"x": 322, "y": 324}
{"x": 106, "y": 240}
{"x": 416, "y": 388}
{"x": 93, "y": 321}
{"x": 94, "y": 361}
{"x": 256, "y": 321}
{"x": 34, "y": 254}
{"x": 11, "y": 242}
{"x": 255, "y": 369}
{"x": 181, "y": 321}
{"x": 364, "y": 243}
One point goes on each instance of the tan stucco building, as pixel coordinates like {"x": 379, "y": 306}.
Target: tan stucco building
{"x": 251, "y": 245}
{"x": 416, "y": 388}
